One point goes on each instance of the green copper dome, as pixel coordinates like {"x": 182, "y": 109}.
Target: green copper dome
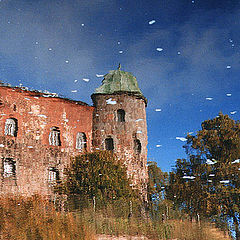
{"x": 119, "y": 81}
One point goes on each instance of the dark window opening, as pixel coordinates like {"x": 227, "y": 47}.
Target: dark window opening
{"x": 137, "y": 146}
{"x": 109, "y": 144}
{"x": 9, "y": 168}
{"x": 81, "y": 141}
{"x": 54, "y": 137}
{"x": 11, "y": 127}
{"x": 120, "y": 115}
{"x": 53, "y": 175}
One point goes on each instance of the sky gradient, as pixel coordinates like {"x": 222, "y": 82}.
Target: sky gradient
{"x": 185, "y": 55}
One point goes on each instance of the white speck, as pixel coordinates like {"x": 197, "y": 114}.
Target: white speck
{"x": 9, "y": 22}
{"x": 139, "y": 131}
{"x": 151, "y": 22}
{"x": 178, "y": 53}
{"x": 30, "y": 112}
{"x": 73, "y": 91}
{"x": 36, "y": 42}
{"x": 229, "y": 94}
{"x": 120, "y": 51}
{"x": 110, "y": 101}
{"x": 140, "y": 119}
{"x": 66, "y": 61}
{"x": 99, "y": 75}
{"x": 66, "y": 120}
{"x": 209, "y": 180}
{"x": 193, "y": 1}
{"x": 27, "y": 98}
{"x": 224, "y": 181}
{"x": 190, "y": 133}
{"x": 42, "y": 115}
{"x": 118, "y": 43}
{"x": 236, "y": 161}
{"x": 228, "y": 67}
{"x": 233, "y": 112}
{"x": 2, "y": 114}
{"x": 85, "y": 79}
{"x": 210, "y": 162}
{"x": 158, "y": 145}
{"x": 181, "y": 139}
{"x": 159, "y": 49}
{"x": 209, "y": 98}
{"x": 82, "y": 24}
{"x": 97, "y": 148}
{"x": 30, "y": 146}
{"x": 188, "y": 177}
{"x": 230, "y": 40}
{"x": 211, "y": 175}
{"x": 158, "y": 110}
{"x": 162, "y": 187}
{"x": 75, "y": 80}
{"x": 1, "y": 145}
{"x": 233, "y": 45}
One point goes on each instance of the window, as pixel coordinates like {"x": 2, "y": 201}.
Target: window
{"x": 53, "y": 175}
{"x": 11, "y": 127}
{"x": 137, "y": 146}
{"x": 81, "y": 141}
{"x": 54, "y": 137}
{"x": 109, "y": 144}
{"x": 9, "y": 168}
{"x": 120, "y": 115}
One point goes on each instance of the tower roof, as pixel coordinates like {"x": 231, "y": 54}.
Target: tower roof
{"x": 119, "y": 81}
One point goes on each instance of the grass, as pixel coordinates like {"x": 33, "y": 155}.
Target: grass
{"x": 36, "y": 218}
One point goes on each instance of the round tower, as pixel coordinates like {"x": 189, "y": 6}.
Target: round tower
{"x": 119, "y": 124}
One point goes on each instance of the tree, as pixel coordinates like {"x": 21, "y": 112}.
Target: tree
{"x": 208, "y": 182}
{"x": 97, "y": 176}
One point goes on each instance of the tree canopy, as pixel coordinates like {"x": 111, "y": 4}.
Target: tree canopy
{"x": 207, "y": 183}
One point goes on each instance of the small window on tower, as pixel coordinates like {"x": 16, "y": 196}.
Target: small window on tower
{"x": 137, "y": 146}
{"x": 11, "y": 127}
{"x": 81, "y": 141}
{"x": 54, "y": 137}
{"x": 109, "y": 144}
{"x": 121, "y": 115}
{"x": 53, "y": 175}
{"x": 9, "y": 168}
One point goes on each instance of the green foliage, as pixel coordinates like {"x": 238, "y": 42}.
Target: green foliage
{"x": 98, "y": 177}
{"x": 207, "y": 184}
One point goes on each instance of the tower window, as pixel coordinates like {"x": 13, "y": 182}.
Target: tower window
{"x": 120, "y": 115}
{"x": 137, "y": 146}
{"x": 11, "y": 127}
{"x": 81, "y": 141}
{"x": 53, "y": 175}
{"x": 9, "y": 168}
{"x": 54, "y": 137}
{"x": 109, "y": 144}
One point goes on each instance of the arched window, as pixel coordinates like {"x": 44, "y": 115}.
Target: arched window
{"x": 109, "y": 144}
{"x": 120, "y": 115}
{"x": 11, "y": 127}
{"x": 137, "y": 146}
{"x": 54, "y": 137}
{"x": 81, "y": 141}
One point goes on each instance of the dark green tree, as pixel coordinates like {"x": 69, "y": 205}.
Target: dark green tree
{"x": 207, "y": 184}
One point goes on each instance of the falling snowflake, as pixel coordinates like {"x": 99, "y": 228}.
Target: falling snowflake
{"x": 151, "y": 22}
{"x": 236, "y": 161}
{"x": 110, "y": 101}
{"x": 209, "y": 98}
{"x": 158, "y": 145}
{"x": 99, "y": 75}
{"x": 74, "y": 91}
{"x": 119, "y": 43}
{"x": 82, "y": 24}
{"x": 85, "y": 79}
{"x": 188, "y": 177}
{"x": 159, "y": 49}
{"x": 229, "y": 94}
{"x": 120, "y": 51}
{"x": 210, "y": 162}
{"x": 181, "y": 139}
{"x": 66, "y": 61}
{"x": 178, "y": 53}
{"x": 158, "y": 110}
{"x": 233, "y": 112}
{"x": 50, "y": 49}
{"x": 75, "y": 80}
{"x": 225, "y": 181}
{"x": 228, "y": 67}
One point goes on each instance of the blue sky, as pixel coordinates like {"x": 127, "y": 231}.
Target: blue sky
{"x": 186, "y": 61}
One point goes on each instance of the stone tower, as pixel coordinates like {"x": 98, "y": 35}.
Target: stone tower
{"x": 119, "y": 124}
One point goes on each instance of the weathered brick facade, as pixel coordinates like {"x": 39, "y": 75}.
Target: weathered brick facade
{"x": 39, "y": 133}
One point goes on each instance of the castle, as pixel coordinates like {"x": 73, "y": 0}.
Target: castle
{"x": 40, "y": 132}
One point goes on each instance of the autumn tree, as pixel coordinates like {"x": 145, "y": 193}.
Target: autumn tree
{"x": 207, "y": 184}
{"x": 98, "y": 177}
